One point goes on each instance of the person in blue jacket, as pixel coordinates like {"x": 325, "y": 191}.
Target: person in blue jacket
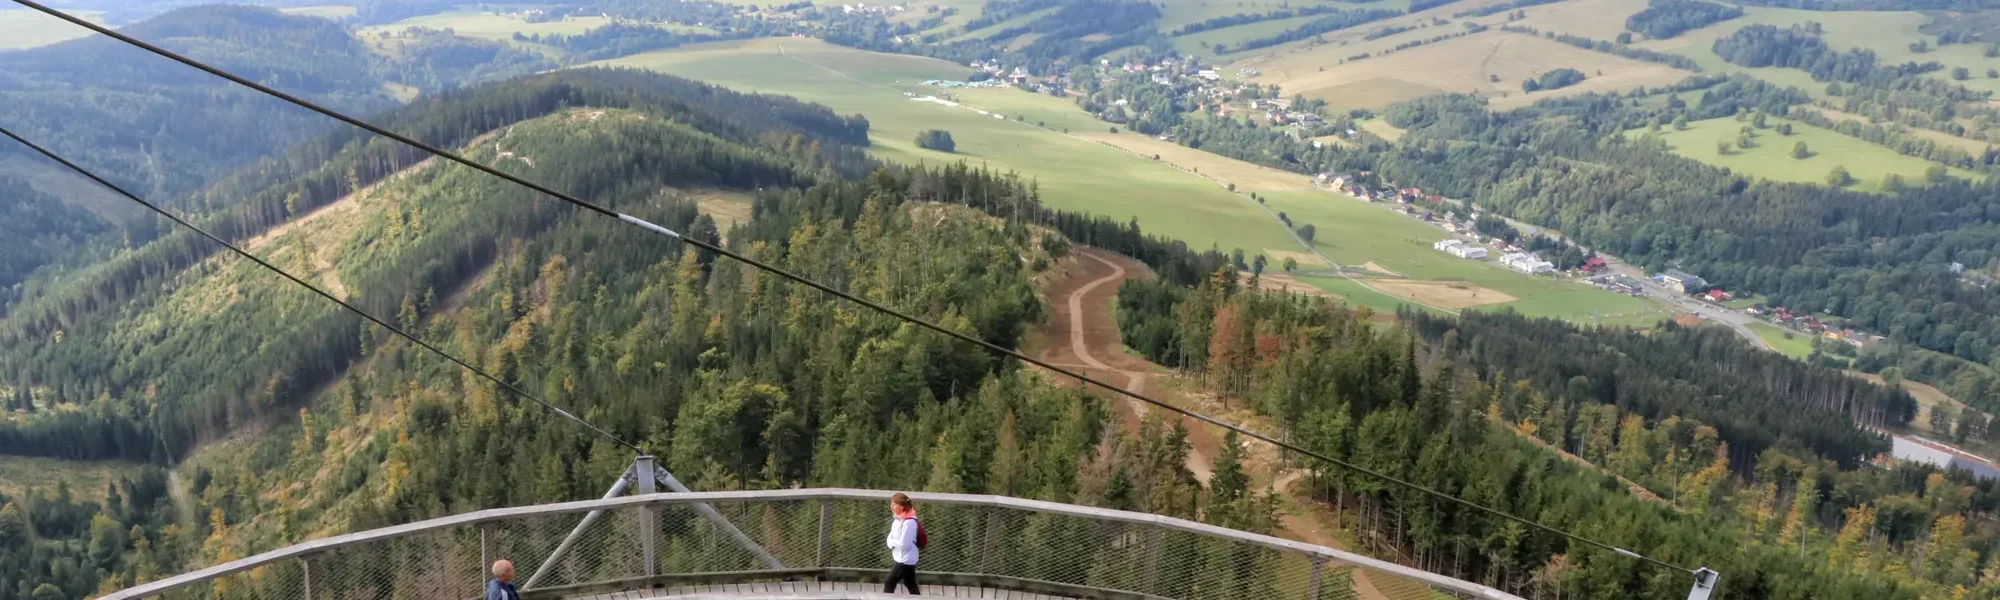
{"x": 501, "y": 587}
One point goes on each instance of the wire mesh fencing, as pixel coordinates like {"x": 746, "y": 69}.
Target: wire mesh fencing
{"x": 663, "y": 541}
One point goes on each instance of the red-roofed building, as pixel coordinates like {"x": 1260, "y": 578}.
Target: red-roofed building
{"x": 1717, "y": 296}
{"x": 1594, "y": 264}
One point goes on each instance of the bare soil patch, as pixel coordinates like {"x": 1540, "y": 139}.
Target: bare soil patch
{"x": 1305, "y": 259}
{"x": 1378, "y": 269}
{"x": 1445, "y": 294}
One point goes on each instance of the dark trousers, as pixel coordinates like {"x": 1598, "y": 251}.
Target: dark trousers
{"x": 904, "y": 574}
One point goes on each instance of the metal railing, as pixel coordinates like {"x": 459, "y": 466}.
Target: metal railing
{"x": 990, "y": 542}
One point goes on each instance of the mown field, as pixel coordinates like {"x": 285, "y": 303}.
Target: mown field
{"x": 1491, "y": 63}
{"x": 330, "y": 11}
{"x": 1785, "y": 342}
{"x": 21, "y": 28}
{"x": 1203, "y": 43}
{"x": 1081, "y": 165}
{"x": 1771, "y": 157}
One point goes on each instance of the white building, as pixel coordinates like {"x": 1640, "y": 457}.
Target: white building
{"x": 1919, "y": 450}
{"x": 1459, "y": 248}
{"x": 1526, "y": 263}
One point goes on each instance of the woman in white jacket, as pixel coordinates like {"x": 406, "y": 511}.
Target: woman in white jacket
{"x": 904, "y": 532}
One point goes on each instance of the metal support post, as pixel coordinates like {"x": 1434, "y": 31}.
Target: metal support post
{"x": 1149, "y": 575}
{"x": 649, "y": 518}
{"x": 617, "y": 489}
{"x": 306, "y": 574}
{"x": 992, "y": 545}
{"x": 820, "y": 557}
{"x": 1318, "y": 578}
{"x": 1705, "y": 581}
{"x": 709, "y": 512}
{"x": 486, "y": 553}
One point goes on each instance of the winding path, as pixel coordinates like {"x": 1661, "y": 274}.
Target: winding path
{"x": 1082, "y": 313}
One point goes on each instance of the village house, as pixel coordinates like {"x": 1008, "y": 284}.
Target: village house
{"x": 1920, "y": 450}
{"x": 1526, "y": 263}
{"x": 1594, "y": 264}
{"x": 1681, "y": 281}
{"x": 1718, "y": 296}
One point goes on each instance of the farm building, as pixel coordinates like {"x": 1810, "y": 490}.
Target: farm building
{"x": 1681, "y": 281}
{"x": 1459, "y": 248}
{"x": 1526, "y": 263}
{"x": 1920, "y": 450}
{"x": 1594, "y": 264}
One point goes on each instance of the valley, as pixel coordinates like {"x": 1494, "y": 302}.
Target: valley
{"x": 1234, "y": 207}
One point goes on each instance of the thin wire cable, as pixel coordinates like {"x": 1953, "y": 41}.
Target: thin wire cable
{"x": 760, "y": 265}
{"x": 315, "y": 289}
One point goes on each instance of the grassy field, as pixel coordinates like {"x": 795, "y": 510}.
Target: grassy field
{"x": 1091, "y": 169}
{"x": 486, "y": 25}
{"x": 1017, "y": 21}
{"x": 87, "y": 479}
{"x": 330, "y": 11}
{"x": 1595, "y": 19}
{"x": 1203, "y": 43}
{"x": 1772, "y": 157}
{"x": 22, "y": 28}
{"x": 1466, "y": 64}
{"x": 1074, "y": 174}
{"x": 1352, "y": 232}
{"x": 1176, "y": 13}
{"x": 1786, "y": 343}
{"x": 1887, "y": 33}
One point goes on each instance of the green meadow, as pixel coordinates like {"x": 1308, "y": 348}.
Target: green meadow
{"x": 1771, "y": 156}
{"x": 1352, "y": 232}
{"x": 1073, "y": 158}
{"x": 1074, "y": 174}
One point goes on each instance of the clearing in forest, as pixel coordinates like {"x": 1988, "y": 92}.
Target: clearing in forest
{"x": 1770, "y": 155}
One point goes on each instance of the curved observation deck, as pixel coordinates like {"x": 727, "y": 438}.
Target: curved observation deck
{"x": 823, "y": 544}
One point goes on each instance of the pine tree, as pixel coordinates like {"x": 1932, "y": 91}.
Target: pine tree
{"x": 1005, "y": 476}
{"x": 1229, "y": 483}
{"x": 1805, "y": 504}
{"x": 1850, "y": 548}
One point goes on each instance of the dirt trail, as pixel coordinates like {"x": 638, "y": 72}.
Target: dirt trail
{"x": 1082, "y": 334}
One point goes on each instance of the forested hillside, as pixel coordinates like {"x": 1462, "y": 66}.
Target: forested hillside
{"x": 63, "y": 348}
{"x": 164, "y": 128}
{"x": 736, "y": 379}
{"x": 1472, "y": 407}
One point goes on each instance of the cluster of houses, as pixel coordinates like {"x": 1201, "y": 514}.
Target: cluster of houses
{"x": 1279, "y": 111}
{"x": 1457, "y": 247}
{"x": 871, "y": 9}
{"x": 1525, "y": 262}
{"x": 1406, "y": 197}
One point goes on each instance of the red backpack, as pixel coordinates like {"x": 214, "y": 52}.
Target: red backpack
{"x": 923, "y": 540}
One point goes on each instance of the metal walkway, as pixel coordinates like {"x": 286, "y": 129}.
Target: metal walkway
{"x": 818, "y": 544}
{"x": 812, "y": 590}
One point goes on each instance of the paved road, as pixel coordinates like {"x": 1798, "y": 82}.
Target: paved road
{"x": 1735, "y": 320}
